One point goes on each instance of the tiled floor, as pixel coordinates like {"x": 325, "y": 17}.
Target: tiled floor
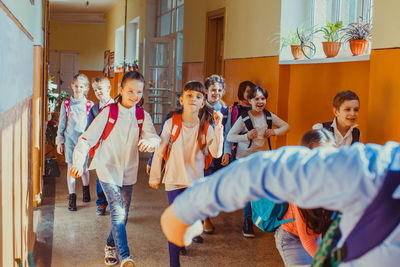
{"x": 77, "y": 238}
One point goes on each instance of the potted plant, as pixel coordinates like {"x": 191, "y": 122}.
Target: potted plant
{"x": 333, "y": 37}
{"x": 300, "y": 43}
{"x": 120, "y": 68}
{"x": 358, "y": 34}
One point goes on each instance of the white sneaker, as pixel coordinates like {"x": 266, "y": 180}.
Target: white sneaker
{"x": 110, "y": 256}
{"x": 127, "y": 262}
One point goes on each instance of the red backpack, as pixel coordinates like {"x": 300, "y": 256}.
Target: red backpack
{"x": 67, "y": 106}
{"x": 202, "y": 139}
{"x": 112, "y": 120}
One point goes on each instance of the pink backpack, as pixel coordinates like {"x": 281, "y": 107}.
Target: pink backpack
{"x": 112, "y": 119}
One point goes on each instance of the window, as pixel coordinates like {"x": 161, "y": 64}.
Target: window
{"x": 169, "y": 17}
{"x": 312, "y": 14}
{"x": 132, "y": 43}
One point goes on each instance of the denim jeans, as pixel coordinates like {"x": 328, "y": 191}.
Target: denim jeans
{"x": 119, "y": 199}
{"x": 174, "y": 249}
{"x": 291, "y": 249}
{"x": 101, "y": 198}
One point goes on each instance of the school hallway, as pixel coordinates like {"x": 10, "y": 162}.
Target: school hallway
{"x": 66, "y": 238}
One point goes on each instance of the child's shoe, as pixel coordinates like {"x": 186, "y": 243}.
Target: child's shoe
{"x": 72, "y": 202}
{"x": 198, "y": 239}
{"x": 248, "y": 228}
{"x": 101, "y": 210}
{"x": 208, "y": 227}
{"x": 86, "y": 193}
{"x": 110, "y": 256}
{"x": 183, "y": 251}
{"x": 127, "y": 262}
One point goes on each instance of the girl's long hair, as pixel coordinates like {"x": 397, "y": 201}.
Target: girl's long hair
{"x": 317, "y": 220}
{"x": 131, "y": 75}
{"x": 205, "y": 113}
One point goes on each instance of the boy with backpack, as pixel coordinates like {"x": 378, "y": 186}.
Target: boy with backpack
{"x": 102, "y": 88}
{"x": 346, "y": 106}
{"x": 366, "y": 234}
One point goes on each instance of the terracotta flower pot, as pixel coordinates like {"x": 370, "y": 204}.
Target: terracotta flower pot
{"x": 331, "y": 49}
{"x": 358, "y": 47}
{"x": 297, "y": 52}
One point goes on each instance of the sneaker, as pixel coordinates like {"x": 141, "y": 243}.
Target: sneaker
{"x": 127, "y": 262}
{"x": 208, "y": 227}
{"x": 248, "y": 228}
{"x": 110, "y": 256}
{"x": 101, "y": 210}
{"x": 198, "y": 239}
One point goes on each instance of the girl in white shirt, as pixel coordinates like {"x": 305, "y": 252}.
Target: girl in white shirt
{"x": 186, "y": 161}
{"x": 116, "y": 159}
{"x": 254, "y": 140}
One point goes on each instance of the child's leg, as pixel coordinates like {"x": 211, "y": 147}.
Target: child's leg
{"x": 70, "y": 181}
{"x": 101, "y": 198}
{"x": 119, "y": 200}
{"x": 174, "y": 250}
{"x": 291, "y": 249}
{"x": 85, "y": 176}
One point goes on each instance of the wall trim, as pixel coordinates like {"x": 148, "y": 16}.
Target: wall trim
{"x": 16, "y": 21}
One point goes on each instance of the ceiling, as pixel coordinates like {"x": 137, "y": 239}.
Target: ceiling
{"x": 79, "y": 11}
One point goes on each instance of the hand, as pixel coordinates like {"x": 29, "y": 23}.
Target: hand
{"x": 218, "y": 117}
{"x": 269, "y": 132}
{"x": 154, "y": 186}
{"x": 148, "y": 169}
{"x": 75, "y": 172}
{"x": 225, "y": 159}
{"x": 252, "y": 134}
{"x": 60, "y": 149}
{"x": 173, "y": 228}
{"x": 143, "y": 147}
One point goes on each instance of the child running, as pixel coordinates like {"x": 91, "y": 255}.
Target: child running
{"x": 251, "y": 131}
{"x": 346, "y": 106}
{"x": 102, "y": 88}
{"x": 296, "y": 241}
{"x": 187, "y": 143}
{"x": 72, "y": 123}
{"x": 129, "y": 129}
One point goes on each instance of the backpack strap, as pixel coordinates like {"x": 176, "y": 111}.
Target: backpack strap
{"x": 355, "y": 135}
{"x": 381, "y": 217}
{"x": 175, "y": 130}
{"x": 328, "y": 126}
{"x": 248, "y": 123}
{"x": 89, "y": 105}
{"x": 111, "y": 121}
{"x": 67, "y": 106}
{"x": 140, "y": 118}
{"x": 268, "y": 117}
{"x": 225, "y": 114}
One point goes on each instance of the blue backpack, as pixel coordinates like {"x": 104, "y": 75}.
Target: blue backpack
{"x": 267, "y": 215}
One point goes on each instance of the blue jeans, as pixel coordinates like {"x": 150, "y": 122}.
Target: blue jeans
{"x": 119, "y": 199}
{"x": 101, "y": 198}
{"x": 174, "y": 249}
{"x": 291, "y": 249}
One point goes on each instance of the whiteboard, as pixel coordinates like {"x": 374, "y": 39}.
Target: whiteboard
{"x": 16, "y": 64}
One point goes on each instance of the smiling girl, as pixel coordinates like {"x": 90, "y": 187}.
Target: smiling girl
{"x": 254, "y": 140}
{"x": 116, "y": 159}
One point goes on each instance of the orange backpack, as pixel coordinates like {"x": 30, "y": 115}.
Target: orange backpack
{"x": 202, "y": 139}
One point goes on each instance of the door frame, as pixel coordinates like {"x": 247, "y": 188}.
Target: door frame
{"x": 215, "y": 14}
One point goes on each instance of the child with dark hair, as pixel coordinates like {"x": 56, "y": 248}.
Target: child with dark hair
{"x": 346, "y": 106}
{"x": 296, "y": 241}
{"x": 117, "y": 134}
{"x": 72, "y": 123}
{"x": 252, "y": 131}
{"x": 243, "y": 104}
{"x": 188, "y": 144}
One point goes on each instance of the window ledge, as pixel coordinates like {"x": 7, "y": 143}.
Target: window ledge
{"x": 324, "y": 60}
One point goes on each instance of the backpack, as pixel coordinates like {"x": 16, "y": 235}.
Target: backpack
{"x": 236, "y": 110}
{"x": 355, "y": 133}
{"x": 225, "y": 114}
{"x": 112, "y": 120}
{"x": 267, "y": 215}
{"x": 175, "y": 131}
{"x": 67, "y": 106}
{"x": 249, "y": 124}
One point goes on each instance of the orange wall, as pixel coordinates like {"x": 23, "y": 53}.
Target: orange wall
{"x": 384, "y": 96}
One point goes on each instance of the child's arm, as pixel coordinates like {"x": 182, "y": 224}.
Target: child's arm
{"x": 150, "y": 139}
{"x": 216, "y": 139}
{"x": 234, "y": 135}
{"x": 62, "y": 123}
{"x": 88, "y": 140}
{"x": 282, "y": 127}
{"x": 344, "y": 179}
{"x": 156, "y": 165}
{"x": 227, "y": 144}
